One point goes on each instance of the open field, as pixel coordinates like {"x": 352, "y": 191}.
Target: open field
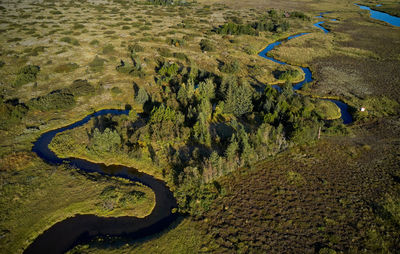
{"x": 246, "y": 167}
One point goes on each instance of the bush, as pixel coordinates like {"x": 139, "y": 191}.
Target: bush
{"x": 168, "y": 71}
{"x": 94, "y": 42}
{"x": 78, "y": 26}
{"x": 230, "y": 66}
{"x": 26, "y": 74}
{"x": 164, "y": 52}
{"x": 97, "y": 64}
{"x": 249, "y": 49}
{"x": 300, "y": 15}
{"x": 68, "y": 67}
{"x": 181, "y": 56}
{"x": 289, "y": 75}
{"x": 10, "y": 114}
{"x": 70, "y": 40}
{"x": 206, "y": 45}
{"x": 142, "y": 96}
{"x": 236, "y": 29}
{"x": 81, "y": 88}
{"x": 135, "y": 48}
{"x": 108, "y": 49}
{"x": 55, "y": 100}
{"x": 104, "y": 142}
{"x": 175, "y": 42}
{"x": 134, "y": 69}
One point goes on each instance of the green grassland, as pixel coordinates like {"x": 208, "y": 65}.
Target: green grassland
{"x": 60, "y": 61}
{"x": 35, "y": 195}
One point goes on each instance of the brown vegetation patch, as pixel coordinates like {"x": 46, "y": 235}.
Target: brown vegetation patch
{"x": 15, "y": 161}
{"x": 311, "y": 198}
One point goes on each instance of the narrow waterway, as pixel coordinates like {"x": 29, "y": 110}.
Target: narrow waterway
{"x": 64, "y": 235}
{"x": 382, "y": 16}
{"x": 345, "y": 115}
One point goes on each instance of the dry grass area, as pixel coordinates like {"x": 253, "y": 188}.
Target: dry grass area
{"x": 329, "y": 197}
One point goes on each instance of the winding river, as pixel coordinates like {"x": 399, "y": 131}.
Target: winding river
{"x": 64, "y": 235}
{"x": 345, "y": 115}
{"x": 382, "y": 16}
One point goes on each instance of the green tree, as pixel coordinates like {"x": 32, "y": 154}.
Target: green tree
{"x": 232, "y": 149}
{"x": 142, "y": 96}
{"x": 238, "y": 100}
{"x": 206, "y": 89}
{"x": 104, "y": 142}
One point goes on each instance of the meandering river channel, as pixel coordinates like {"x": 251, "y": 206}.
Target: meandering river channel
{"x": 64, "y": 235}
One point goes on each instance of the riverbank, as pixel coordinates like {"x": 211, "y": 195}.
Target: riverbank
{"x": 50, "y": 194}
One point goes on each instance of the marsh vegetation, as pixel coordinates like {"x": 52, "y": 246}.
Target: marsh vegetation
{"x": 239, "y": 155}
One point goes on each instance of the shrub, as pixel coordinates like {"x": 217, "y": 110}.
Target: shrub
{"x": 249, "y": 49}
{"x": 175, "y": 42}
{"x": 70, "y": 40}
{"x": 56, "y": 12}
{"x": 80, "y": 88}
{"x": 94, "y": 42}
{"x": 181, "y": 56}
{"x": 78, "y": 26}
{"x": 116, "y": 90}
{"x": 34, "y": 51}
{"x": 206, "y": 45}
{"x": 300, "y": 15}
{"x": 142, "y": 96}
{"x": 2, "y": 64}
{"x": 55, "y": 100}
{"x": 97, "y": 64}
{"x": 135, "y": 48}
{"x": 10, "y": 114}
{"x": 289, "y": 75}
{"x": 68, "y": 67}
{"x": 164, "y": 52}
{"x": 134, "y": 69}
{"x": 108, "y": 49}
{"x": 26, "y": 74}
{"x": 236, "y": 29}
{"x": 230, "y": 66}
{"x": 104, "y": 142}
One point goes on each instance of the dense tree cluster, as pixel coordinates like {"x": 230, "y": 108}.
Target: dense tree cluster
{"x": 205, "y": 126}
{"x": 26, "y": 74}
{"x": 273, "y": 21}
{"x": 11, "y": 113}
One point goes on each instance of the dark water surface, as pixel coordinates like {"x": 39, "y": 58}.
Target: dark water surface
{"x": 64, "y": 235}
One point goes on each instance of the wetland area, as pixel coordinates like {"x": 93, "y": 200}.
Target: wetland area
{"x": 212, "y": 126}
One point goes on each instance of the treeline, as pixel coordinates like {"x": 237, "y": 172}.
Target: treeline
{"x": 273, "y": 22}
